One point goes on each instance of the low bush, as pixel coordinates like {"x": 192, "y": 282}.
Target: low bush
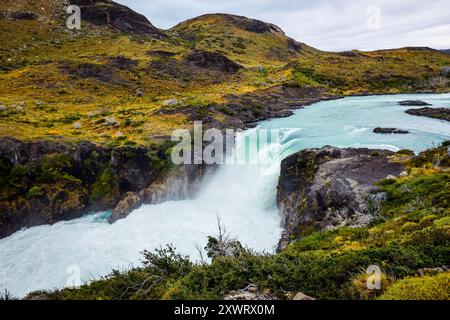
{"x": 420, "y": 288}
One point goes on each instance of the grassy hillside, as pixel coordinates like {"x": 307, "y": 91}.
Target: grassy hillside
{"x": 106, "y": 86}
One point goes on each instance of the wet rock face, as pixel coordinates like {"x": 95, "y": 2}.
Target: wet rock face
{"x": 131, "y": 202}
{"x": 109, "y": 13}
{"x": 212, "y": 61}
{"x": 320, "y": 189}
{"x": 29, "y": 166}
{"x": 133, "y": 168}
{"x": 43, "y": 182}
{"x": 180, "y": 184}
{"x": 436, "y": 113}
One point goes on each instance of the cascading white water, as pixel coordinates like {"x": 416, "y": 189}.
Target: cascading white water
{"x": 242, "y": 196}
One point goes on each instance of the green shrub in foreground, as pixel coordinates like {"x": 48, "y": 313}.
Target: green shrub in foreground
{"x": 420, "y": 288}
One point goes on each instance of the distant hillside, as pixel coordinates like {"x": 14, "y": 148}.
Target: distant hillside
{"x": 248, "y": 40}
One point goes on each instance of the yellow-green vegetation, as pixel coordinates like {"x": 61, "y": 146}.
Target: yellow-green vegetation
{"x": 435, "y": 287}
{"x": 385, "y": 71}
{"x": 242, "y": 40}
{"x": 101, "y": 85}
{"x": 412, "y": 233}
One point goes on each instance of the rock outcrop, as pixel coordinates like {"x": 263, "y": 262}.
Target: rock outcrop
{"x": 390, "y": 130}
{"x": 416, "y": 103}
{"x": 435, "y": 113}
{"x": 125, "y": 206}
{"x": 251, "y": 292}
{"x": 43, "y": 182}
{"x": 117, "y": 16}
{"x": 253, "y": 25}
{"x": 181, "y": 183}
{"x": 325, "y": 188}
{"x": 211, "y": 61}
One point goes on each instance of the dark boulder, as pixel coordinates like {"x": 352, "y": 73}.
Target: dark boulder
{"x": 131, "y": 202}
{"x": 160, "y": 53}
{"x": 414, "y": 103}
{"x": 325, "y": 188}
{"x": 435, "y": 113}
{"x": 390, "y": 130}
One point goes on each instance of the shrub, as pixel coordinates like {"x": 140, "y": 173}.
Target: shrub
{"x": 358, "y": 288}
{"x": 409, "y": 226}
{"x": 420, "y": 288}
{"x": 33, "y": 192}
{"x": 6, "y": 295}
{"x": 52, "y": 168}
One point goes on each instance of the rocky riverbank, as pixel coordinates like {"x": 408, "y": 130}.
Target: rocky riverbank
{"x": 245, "y": 110}
{"x": 321, "y": 189}
{"x": 43, "y": 182}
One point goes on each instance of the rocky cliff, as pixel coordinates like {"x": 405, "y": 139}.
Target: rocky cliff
{"x": 319, "y": 189}
{"x": 43, "y": 182}
{"x": 111, "y": 14}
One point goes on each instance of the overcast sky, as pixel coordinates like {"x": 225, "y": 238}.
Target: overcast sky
{"x": 325, "y": 24}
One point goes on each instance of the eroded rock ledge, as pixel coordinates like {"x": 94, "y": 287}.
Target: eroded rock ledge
{"x": 325, "y": 188}
{"x": 43, "y": 181}
{"x": 181, "y": 183}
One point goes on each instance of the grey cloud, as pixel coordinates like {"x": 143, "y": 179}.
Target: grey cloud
{"x": 327, "y": 25}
